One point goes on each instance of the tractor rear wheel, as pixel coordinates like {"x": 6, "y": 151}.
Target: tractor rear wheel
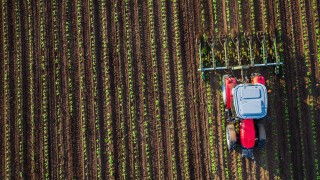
{"x": 231, "y": 136}
{"x": 261, "y": 136}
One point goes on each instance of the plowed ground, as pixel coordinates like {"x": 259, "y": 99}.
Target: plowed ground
{"x": 111, "y": 89}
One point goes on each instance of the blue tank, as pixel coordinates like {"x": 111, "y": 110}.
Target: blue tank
{"x": 250, "y": 101}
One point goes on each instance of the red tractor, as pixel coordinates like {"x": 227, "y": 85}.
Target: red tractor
{"x": 245, "y": 101}
{"x": 246, "y": 105}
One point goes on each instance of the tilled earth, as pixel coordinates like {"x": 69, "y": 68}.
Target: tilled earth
{"x": 111, "y": 89}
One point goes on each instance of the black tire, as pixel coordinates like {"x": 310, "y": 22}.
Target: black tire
{"x": 224, "y": 93}
{"x": 261, "y": 136}
{"x": 231, "y": 137}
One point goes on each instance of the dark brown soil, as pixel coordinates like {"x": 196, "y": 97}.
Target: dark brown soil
{"x": 146, "y": 57}
{"x": 64, "y": 91}
{"x": 89, "y": 96}
{"x": 126, "y": 118}
{"x": 114, "y": 86}
{"x": 175, "y": 96}
{"x": 101, "y": 89}
{"x": 138, "y": 88}
{"x": 163, "y": 95}
{"x": 76, "y": 117}
{"x": 26, "y": 93}
{"x": 2, "y": 100}
{"x": 51, "y": 93}
{"x": 140, "y": 109}
{"x": 13, "y": 93}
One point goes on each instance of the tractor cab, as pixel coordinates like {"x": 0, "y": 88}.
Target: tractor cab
{"x": 250, "y": 101}
{"x": 246, "y": 106}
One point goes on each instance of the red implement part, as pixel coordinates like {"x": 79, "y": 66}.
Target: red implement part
{"x": 247, "y": 133}
{"x": 230, "y": 82}
{"x": 258, "y": 79}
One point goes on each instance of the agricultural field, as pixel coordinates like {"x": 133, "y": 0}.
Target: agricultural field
{"x": 93, "y": 89}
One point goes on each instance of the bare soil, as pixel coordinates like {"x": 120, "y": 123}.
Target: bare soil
{"x": 140, "y": 109}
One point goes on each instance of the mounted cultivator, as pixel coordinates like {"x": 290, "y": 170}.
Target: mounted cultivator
{"x": 245, "y": 99}
{"x": 208, "y": 54}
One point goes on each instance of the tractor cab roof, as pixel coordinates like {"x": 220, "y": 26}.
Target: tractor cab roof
{"x": 250, "y": 101}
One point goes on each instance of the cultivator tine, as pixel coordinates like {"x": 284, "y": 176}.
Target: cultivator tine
{"x": 200, "y": 59}
{"x": 237, "y": 44}
{"x": 251, "y": 52}
{"x": 223, "y": 40}
{"x": 276, "y": 55}
{"x": 224, "y": 45}
{"x": 214, "y": 65}
{"x": 238, "y": 51}
{"x": 248, "y": 39}
{"x": 262, "y": 39}
{"x": 225, "y": 53}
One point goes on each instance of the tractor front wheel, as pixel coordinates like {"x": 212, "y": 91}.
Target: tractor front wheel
{"x": 231, "y": 136}
{"x": 224, "y": 91}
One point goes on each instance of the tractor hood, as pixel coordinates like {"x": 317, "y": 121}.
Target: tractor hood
{"x": 250, "y": 101}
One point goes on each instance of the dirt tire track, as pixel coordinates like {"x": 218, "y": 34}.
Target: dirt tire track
{"x": 64, "y": 91}
{"x": 162, "y": 89}
{"x": 232, "y": 165}
{"x": 138, "y": 88}
{"x": 26, "y": 93}
{"x": 178, "y": 142}
{"x": 13, "y": 92}
{"x": 89, "y": 96}
{"x": 306, "y": 126}
{"x": 76, "y": 120}
{"x": 101, "y": 88}
{"x": 2, "y": 99}
{"x": 128, "y": 139}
